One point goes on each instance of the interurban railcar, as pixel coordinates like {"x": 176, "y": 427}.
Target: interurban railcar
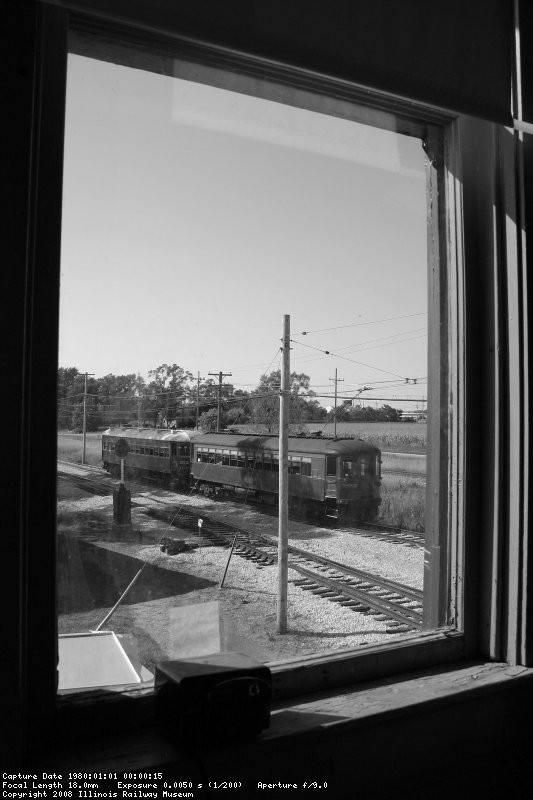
{"x": 340, "y": 477}
{"x": 162, "y": 452}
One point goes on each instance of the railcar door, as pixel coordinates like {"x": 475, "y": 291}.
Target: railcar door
{"x": 331, "y": 476}
{"x": 174, "y": 464}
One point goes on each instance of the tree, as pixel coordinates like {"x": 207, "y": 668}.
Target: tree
{"x": 265, "y": 402}
{"x": 66, "y": 378}
{"x": 208, "y": 420}
{"x": 371, "y": 414}
{"x": 117, "y": 399}
{"x": 169, "y": 388}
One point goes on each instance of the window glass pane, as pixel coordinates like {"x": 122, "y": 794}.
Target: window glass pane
{"x": 260, "y": 209}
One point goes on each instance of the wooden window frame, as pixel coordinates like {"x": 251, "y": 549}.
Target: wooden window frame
{"x": 481, "y": 387}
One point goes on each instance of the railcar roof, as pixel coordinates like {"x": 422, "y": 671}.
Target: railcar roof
{"x": 158, "y": 434}
{"x": 299, "y": 444}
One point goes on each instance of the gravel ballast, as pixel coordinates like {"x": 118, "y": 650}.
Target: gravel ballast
{"x": 247, "y": 601}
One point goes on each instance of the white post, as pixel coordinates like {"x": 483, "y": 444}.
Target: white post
{"x": 283, "y": 521}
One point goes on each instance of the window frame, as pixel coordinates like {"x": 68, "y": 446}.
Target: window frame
{"x": 475, "y": 183}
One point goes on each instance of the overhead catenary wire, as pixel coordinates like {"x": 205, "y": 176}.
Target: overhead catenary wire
{"x": 345, "y": 358}
{"x": 360, "y": 324}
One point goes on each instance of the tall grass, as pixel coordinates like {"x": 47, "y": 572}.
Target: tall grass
{"x": 397, "y": 437}
{"x": 403, "y": 504}
{"x": 70, "y": 448}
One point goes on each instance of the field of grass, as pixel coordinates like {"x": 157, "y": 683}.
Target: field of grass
{"x": 397, "y": 437}
{"x": 70, "y": 448}
{"x": 403, "y": 503}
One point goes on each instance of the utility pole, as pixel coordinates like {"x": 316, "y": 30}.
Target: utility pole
{"x": 85, "y": 414}
{"x": 337, "y": 380}
{"x": 138, "y": 400}
{"x": 197, "y": 399}
{"x": 220, "y": 376}
{"x": 283, "y": 508}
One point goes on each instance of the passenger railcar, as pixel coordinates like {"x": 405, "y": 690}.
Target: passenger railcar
{"x": 340, "y": 477}
{"x": 161, "y": 452}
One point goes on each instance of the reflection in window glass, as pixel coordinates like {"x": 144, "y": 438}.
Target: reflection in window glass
{"x": 212, "y": 214}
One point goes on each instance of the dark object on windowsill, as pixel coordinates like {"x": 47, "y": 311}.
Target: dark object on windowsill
{"x": 216, "y": 698}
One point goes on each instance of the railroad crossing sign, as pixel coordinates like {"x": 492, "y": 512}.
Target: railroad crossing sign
{"x": 122, "y": 448}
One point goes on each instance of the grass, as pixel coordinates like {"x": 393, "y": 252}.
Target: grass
{"x": 397, "y": 442}
{"x": 403, "y": 504}
{"x": 70, "y": 448}
{"x": 397, "y": 437}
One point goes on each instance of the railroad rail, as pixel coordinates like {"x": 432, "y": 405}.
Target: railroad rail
{"x": 387, "y": 533}
{"x": 400, "y": 606}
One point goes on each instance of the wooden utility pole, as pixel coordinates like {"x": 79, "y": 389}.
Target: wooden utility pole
{"x": 138, "y": 400}
{"x": 197, "y": 399}
{"x": 220, "y": 376}
{"x": 335, "y": 412}
{"x": 283, "y": 510}
{"x": 85, "y": 414}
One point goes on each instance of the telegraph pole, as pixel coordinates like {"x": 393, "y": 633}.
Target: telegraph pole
{"x": 138, "y": 400}
{"x": 85, "y": 414}
{"x": 197, "y": 399}
{"x": 337, "y": 380}
{"x": 220, "y": 376}
{"x": 283, "y": 508}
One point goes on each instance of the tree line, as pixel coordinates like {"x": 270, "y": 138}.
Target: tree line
{"x": 171, "y": 397}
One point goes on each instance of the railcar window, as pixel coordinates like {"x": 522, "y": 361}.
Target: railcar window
{"x": 263, "y": 208}
{"x": 295, "y": 464}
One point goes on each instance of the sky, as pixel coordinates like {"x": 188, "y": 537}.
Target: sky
{"x": 194, "y": 218}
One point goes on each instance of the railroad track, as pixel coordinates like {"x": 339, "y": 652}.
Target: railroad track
{"x": 386, "y": 533}
{"x": 395, "y": 603}
{"x": 95, "y": 482}
{"x": 398, "y": 605}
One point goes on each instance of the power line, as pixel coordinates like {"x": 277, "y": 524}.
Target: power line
{"x": 359, "y": 324}
{"x": 345, "y": 358}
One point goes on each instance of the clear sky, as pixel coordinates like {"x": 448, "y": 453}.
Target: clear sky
{"x": 194, "y": 218}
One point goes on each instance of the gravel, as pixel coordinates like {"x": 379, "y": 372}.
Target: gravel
{"x": 247, "y": 602}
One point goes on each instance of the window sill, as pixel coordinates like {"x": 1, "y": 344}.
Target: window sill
{"x": 313, "y": 722}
